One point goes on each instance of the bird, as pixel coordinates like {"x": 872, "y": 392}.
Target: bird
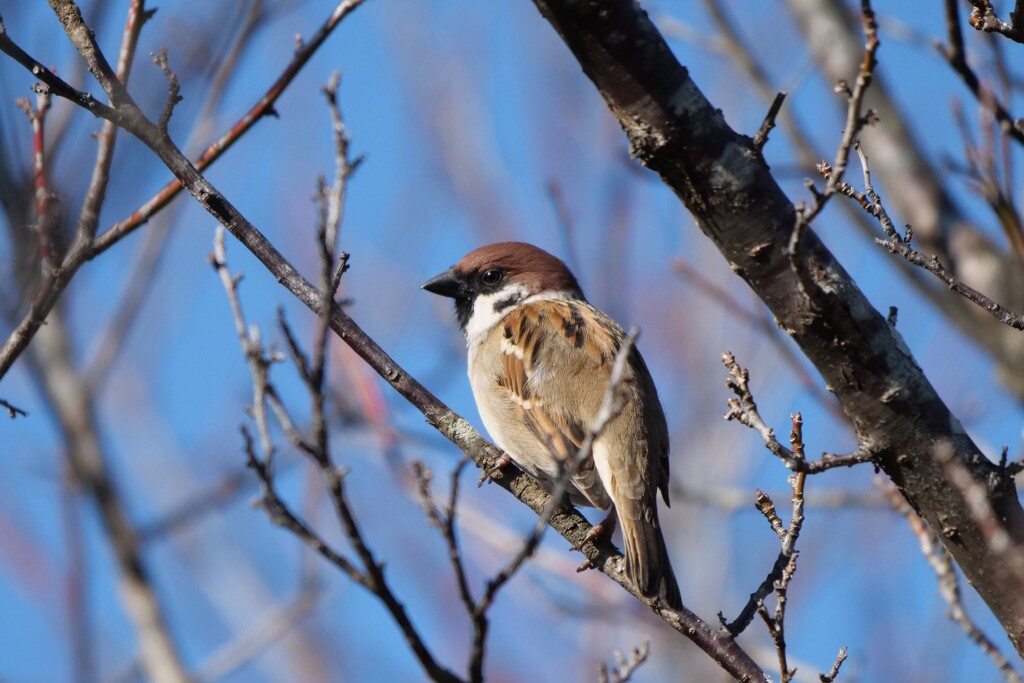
{"x": 540, "y": 359}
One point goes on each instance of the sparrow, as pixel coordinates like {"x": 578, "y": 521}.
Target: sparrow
{"x": 540, "y": 359}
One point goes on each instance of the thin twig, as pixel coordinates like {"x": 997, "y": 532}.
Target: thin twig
{"x": 281, "y": 515}
{"x": 780, "y": 577}
{"x": 761, "y": 137}
{"x": 787, "y": 537}
{"x": 46, "y": 218}
{"x": 89, "y": 215}
{"x": 370, "y": 572}
{"x": 279, "y": 623}
{"x": 13, "y": 411}
{"x": 85, "y": 247}
{"x": 856, "y": 119}
{"x": 264, "y": 107}
{"x": 956, "y": 55}
{"x": 743, "y": 409}
{"x": 624, "y": 668}
{"x": 84, "y": 41}
{"x": 445, "y": 522}
{"x": 173, "y": 90}
{"x": 895, "y": 243}
{"x": 949, "y": 586}
{"x": 830, "y": 677}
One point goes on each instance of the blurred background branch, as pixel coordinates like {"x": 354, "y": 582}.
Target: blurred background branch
{"x": 134, "y": 383}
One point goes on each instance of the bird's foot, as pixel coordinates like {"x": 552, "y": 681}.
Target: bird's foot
{"x": 587, "y": 564}
{"x": 499, "y": 464}
{"x": 602, "y": 530}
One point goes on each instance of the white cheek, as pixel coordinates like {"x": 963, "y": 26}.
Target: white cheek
{"x": 484, "y": 316}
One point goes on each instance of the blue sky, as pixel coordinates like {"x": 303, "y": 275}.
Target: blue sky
{"x": 466, "y": 113}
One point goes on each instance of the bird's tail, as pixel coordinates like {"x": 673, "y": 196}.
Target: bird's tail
{"x": 647, "y": 562}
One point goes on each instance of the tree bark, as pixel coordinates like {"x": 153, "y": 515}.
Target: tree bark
{"x": 726, "y": 184}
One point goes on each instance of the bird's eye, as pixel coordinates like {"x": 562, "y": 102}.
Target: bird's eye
{"x": 491, "y": 277}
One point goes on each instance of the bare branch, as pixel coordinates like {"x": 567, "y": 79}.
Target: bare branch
{"x": 84, "y": 41}
{"x": 173, "y": 90}
{"x": 956, "y": 55}
{"x": 445, "y": 522}
{"x": 949, "y": 586}
{"x": 761, "y": 137}
{"x": 370, "y": 574}
{"x": 625, "y": 668}
{"x": 13, "y": 411}
{"x": 856, "y": 119}
{"x": 897, "y": 244}
{"x": 830, "y": 677}
{"x": 781, "y": 578}
{"x": 89, "y": 215}
{"x": 86, "y": 248}
{"x": 744, "y": 410}
{"x": 46, "y": 217}
{"x": 74, "y": 407}
{"x": 785, "y": 564}
{"x": 51, "y": 82}
{"x": 264, "y": 107}
{"x": 281, "y": 515}
{"x": 983, "y": 18}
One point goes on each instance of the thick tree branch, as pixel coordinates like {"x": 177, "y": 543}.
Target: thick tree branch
{"x": 567, "y": 522}
{"x": 919, "y": 192}
{"x": 724, "y": 182}
{"x": 949, "y": 585}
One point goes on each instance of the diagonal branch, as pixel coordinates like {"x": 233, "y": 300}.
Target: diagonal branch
{"x": 674, "y": 131}
{"x": 984, "y": 18}
{"x": 949, "y": 586}
{"x": 367, "y": 571}
{"x": 956, "y": 55}
{"x": 86, "y": 247}
{"x": 900, "y": 245}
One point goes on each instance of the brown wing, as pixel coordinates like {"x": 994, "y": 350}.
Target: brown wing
{"x": 656, "y": 426}
{"x": 559, "y": 397}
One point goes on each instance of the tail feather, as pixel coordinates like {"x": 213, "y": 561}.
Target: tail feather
{"x": 647, "y": 562}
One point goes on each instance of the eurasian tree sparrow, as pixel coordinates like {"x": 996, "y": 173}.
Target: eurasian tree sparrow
{"x": 540, "y": 359}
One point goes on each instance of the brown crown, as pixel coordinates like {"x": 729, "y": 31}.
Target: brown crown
{"x": 534, "y": 267}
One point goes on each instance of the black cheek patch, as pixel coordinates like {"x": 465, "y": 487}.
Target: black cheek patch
{"x": 509, "y": 301}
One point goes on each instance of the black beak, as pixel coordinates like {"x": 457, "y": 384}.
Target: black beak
{"x": 445, "y": 284}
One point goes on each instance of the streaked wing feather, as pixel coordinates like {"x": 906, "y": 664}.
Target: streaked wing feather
{"x": 580, "y": 343}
